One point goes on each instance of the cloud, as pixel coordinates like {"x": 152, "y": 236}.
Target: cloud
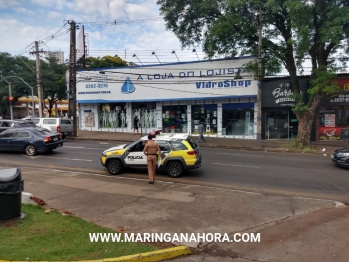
{"x": 23, "y": 11}
{"x": 53, "y": 15}
{"x": 136, "y": 11}
{"x": 45, "y": 3}
{"x": 8, "y": 4}
{"x": 20, "y": 27}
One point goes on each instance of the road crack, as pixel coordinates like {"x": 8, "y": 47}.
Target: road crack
{"x": 292, "y": 207}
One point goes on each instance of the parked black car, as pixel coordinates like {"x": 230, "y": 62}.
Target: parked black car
{"x": 7, "y": 124}
{"x": 30, "y": 140}
{"x": 341, "y": 157}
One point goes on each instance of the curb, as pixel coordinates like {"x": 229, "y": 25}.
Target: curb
{"x": 209, "y": 145}
{"x": 158, "y": 255}
{"x": 27, "y": 199}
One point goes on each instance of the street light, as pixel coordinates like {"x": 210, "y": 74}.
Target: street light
{"x": 174, "y": 52}
{"x": 194, "y": 51}
{"x": 33, "y": 109}
{"x": 134, "y": 55}
{"x": 153, "y": 53}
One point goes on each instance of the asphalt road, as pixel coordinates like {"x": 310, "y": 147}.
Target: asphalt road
{"x": 269, "y": 173}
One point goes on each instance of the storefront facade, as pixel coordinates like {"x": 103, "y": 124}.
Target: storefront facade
{"x": 333, "y": 118}
{"x": 172, "y": 97}
{"x": 278, "y": 119}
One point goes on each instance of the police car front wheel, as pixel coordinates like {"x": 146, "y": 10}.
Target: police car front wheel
{"x": 114, "y": 166}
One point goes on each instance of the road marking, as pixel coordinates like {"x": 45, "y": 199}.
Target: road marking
{"x": 222, "y": 164}
{"x": 236, "y": 154}
{"x": 32, "y": 157}
{"x": 83, "y": 147}
{"x": 74, "y": 159}
{"x": 85, "y": 153}
{"x": 104, "y": 143}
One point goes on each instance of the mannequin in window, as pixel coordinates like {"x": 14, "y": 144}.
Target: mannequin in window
{"x": 146, "y": 119}
{"x": 123, "y": 118}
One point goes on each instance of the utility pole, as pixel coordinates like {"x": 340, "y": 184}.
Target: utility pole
{"x": 72, "y": 77}
{"x": 259, "y": 94}
{"x": 38, "y": 78}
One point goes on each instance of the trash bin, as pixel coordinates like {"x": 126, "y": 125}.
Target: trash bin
{"x": 11, "y": 187}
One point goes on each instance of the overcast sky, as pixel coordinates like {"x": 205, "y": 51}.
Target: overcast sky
{"x": 138, "y": 30}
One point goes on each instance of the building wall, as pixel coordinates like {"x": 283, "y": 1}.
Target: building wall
{"x": 181, "y": 95}
{"x": 57, "y": 54}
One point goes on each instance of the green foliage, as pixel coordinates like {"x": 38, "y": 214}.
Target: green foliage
{"x": 53, "y": 237}
{"x": 15, "y": 66}
{"x": 104, "y": 62}
{"x": 307, "y": 150}
{"x": 322, "y": 81}
{"x": 53, "y": 82}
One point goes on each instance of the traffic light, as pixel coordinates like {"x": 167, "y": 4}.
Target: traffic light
{"x": 12, "y": 99}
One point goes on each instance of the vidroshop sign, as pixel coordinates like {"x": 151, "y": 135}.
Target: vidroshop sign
{"x": 180, "y": 81}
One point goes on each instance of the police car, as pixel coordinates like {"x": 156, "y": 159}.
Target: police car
{"x": 178, "y": 153}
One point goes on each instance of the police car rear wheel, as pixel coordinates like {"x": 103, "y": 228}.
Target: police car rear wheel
{"x": 114, "y": 166}
{"x": 174, "y": 169}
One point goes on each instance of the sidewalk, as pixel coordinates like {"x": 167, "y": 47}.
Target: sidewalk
{"x": 220, "y": 142}
{"x": 291, "y": 228}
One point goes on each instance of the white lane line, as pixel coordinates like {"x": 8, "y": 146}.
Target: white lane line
{"x": 82, "y": 153}
{"x": 83, "y": 147}
{"x": 222, "y": 164}
{"x": 104, "y": 143}
{"x": 236, "y": 154}
{"x": 74, "y": 159}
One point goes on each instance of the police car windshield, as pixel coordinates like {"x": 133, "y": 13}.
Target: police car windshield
{"x": 132, "y": 144}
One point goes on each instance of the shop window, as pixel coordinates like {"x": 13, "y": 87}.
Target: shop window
{"x": 238, "y": 119}
{"x": 207, "y": 114}
{"x": 334, "y": 124}
{"x": 146, "y": 113}
{"x": 174, "y": 119}
{"x": 112, "y": 115}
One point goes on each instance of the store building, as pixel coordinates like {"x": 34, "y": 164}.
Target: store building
{"x": 172, "y": 97}
{"x": 278, "y": 119}
{"x": 332, "y": 122}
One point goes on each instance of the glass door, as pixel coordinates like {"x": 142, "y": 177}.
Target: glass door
{"x": 277, "y": 124}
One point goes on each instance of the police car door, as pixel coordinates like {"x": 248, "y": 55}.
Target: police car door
{"x": 136, "y": 157}
{"x": 164, "y": 148}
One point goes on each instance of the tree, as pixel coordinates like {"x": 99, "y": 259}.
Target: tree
{"x": 105, "y": 61}
{"x": 15, "y": 66}
{"x": 53, "y": 82}
{"x": 293, "y": 32}
{"x": 52, "y": 79}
